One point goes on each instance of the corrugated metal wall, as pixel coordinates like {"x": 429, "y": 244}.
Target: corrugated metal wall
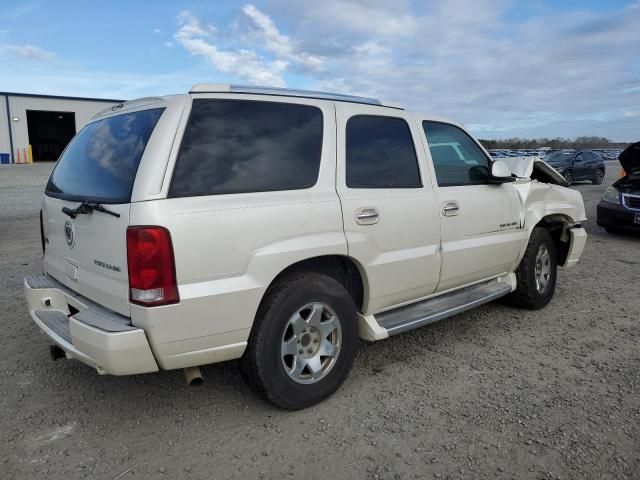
{"x": 4, "y": 127}
{"x": 18, "y": 106}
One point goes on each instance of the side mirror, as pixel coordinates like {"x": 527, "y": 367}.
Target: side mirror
{"x": 500, "y": 172}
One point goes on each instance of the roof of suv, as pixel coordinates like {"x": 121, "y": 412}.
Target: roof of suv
{"x": 288, "y": 92}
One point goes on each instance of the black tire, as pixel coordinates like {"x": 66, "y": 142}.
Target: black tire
{"x": 568, "y": 177}
{"x": 262, "y": 362}
{"x": 527, "y": 294}
{"x": 613, "y": 230}
{"x": 598, "y": 177}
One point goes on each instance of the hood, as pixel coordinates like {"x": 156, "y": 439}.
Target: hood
{"x": 630, "y": 159}
{"x": 543, "y": 172}
{"x": 534, "y": 168}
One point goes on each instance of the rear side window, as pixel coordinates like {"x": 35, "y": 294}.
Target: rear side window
{"x": 101, "y": 162}
{"x": 380, "y": 153}
{"x": 457, "y": 159}
{"x": 240, "y": 146}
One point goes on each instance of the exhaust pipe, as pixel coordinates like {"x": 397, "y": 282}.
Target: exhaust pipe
{"x": 193, "y": 376}
{"x": 56, "y": 352}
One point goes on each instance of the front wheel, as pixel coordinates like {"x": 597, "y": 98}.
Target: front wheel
{"x": 537, "y": 272}
{"x": 568, "y": 177}
{"x": 303, "y": 341}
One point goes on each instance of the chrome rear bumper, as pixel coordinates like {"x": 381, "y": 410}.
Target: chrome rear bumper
{"x": 93, "y": 335}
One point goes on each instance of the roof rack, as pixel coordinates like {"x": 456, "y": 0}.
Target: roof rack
{"x": 289, "y": 92}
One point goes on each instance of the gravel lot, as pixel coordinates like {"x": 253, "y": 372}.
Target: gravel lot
{"x": 493, "y": 393}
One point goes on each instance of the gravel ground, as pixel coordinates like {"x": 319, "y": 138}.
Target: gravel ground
{"x": 493, "y": 393}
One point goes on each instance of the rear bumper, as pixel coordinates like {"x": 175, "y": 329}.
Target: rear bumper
{"x": 93, "y": 335}
{"x": 576, "y": 246}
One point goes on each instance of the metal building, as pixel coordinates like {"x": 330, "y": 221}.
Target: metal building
{"x": 40, "y": 126}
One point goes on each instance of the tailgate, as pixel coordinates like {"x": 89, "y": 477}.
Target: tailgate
{"x": 86, "y": 249}
{"x": 88, "y": 253}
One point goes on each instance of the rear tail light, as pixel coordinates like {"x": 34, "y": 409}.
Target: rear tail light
{"x": 42, "y": 232}
{"x": 152, "y": 271}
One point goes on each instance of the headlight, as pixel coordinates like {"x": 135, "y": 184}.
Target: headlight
{"x": 611, "y": 195}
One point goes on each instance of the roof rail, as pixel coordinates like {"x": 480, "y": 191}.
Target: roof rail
{"x": 290, "y": 92}
{"x": 127, "y": 105}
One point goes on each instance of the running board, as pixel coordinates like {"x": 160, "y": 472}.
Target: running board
{"x": 428, "y": 311}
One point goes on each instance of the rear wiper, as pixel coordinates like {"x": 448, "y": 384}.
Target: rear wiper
{"x": 87, "y": 207}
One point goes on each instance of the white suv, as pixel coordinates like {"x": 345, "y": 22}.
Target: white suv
{"x": 278, "y": 226}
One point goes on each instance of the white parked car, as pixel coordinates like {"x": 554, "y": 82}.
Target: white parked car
{"x": 278, "y": 226}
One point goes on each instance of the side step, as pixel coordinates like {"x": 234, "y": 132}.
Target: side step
{"x": 446, "y": 305}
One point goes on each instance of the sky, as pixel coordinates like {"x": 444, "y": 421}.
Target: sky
{"x": 502, "y": 68}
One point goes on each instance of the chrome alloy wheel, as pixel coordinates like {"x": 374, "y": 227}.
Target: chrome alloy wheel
{"x": 543, "y": 269}
{"x": 311, "y": 343}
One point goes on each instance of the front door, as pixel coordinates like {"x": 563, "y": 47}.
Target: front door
{"x": 389, "y": 207}
{"x": 480, "y": 222}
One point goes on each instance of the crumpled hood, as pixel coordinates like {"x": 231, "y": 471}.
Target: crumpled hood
{"x": 630, "y": 158}
{"x": 534, "y": 168}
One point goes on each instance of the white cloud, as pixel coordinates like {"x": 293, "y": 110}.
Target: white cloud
{"x": 264, "y": 30}
{"x": 157, "y": 30}
{"x": 193, "y": 35}
{"x": 27, "y": 51}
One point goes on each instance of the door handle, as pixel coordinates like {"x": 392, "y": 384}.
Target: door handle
{"x": 450, "y": 209}
{"x": 367, "y": 216}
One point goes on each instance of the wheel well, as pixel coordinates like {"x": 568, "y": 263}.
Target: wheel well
{"x": 342, "y": 269}
{"x": 558, "y": 228}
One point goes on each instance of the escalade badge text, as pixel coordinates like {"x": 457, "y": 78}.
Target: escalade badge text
{"x": 69, "y": 233}
{"x": 108, "y": 266}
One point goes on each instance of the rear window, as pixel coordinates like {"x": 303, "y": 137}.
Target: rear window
{"x": 241, "y": 146}
{"x": 101, "y": 162}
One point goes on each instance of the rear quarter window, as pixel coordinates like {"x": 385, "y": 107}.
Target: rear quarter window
{"x": 242, "y": 146}
{"x": 101, "y": 162}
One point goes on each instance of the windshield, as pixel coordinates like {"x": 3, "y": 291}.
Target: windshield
{"x": 101, "y": 162}
{"x": 558, "y": 157}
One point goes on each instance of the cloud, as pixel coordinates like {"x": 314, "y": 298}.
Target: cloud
{"x": 194, "y": 36}
{"x": 27, "y": 51}
{"x": 550, "y": 72}
{"x": 262, "y": 57}
{"x": 157, "y": 30}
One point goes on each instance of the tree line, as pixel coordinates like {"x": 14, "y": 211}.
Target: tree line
{"x": 555, "y": 143}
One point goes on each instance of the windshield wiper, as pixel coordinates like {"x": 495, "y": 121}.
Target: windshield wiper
{"x": 87, "y": 207}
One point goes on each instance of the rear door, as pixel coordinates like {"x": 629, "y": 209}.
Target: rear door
{"x": 86, "y": 250}
{"x": 389, "y": 208}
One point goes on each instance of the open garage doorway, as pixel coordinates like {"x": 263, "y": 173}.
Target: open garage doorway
{"x": 49, "y": 133}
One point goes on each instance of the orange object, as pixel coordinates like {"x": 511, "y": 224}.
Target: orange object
{"x": 622, "y": 172}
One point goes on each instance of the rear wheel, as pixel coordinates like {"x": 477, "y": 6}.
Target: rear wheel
{"x": 303, "y": 342}
{"x": 599, "y": 177}
{"x": 536, "y": 274}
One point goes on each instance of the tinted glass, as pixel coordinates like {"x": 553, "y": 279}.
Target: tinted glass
{"x": 559, "y": 157}
{"x": 101, "y": 162}
{"x": 240, "y": 146}
{"x": 380, "y": 154}
{"x": 457, "y": 159}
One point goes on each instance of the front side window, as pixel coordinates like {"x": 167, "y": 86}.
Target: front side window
{"x": 241, "y": 146}
{"x": 101, "y": 162}
{"x": 457, "y": 159}
{"x": 380, "y": 153}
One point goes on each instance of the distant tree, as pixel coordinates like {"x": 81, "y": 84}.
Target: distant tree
{"x": 554, "y": 143}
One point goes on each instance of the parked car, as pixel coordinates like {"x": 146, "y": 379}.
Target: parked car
{"x": 575, "y": 165}
{"x": 278, "y": 226}
{"x": 619, "y": 208}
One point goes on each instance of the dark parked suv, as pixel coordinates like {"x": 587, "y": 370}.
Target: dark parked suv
{"x": 620, "y": 205}
{"x": 578, "y": 165}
